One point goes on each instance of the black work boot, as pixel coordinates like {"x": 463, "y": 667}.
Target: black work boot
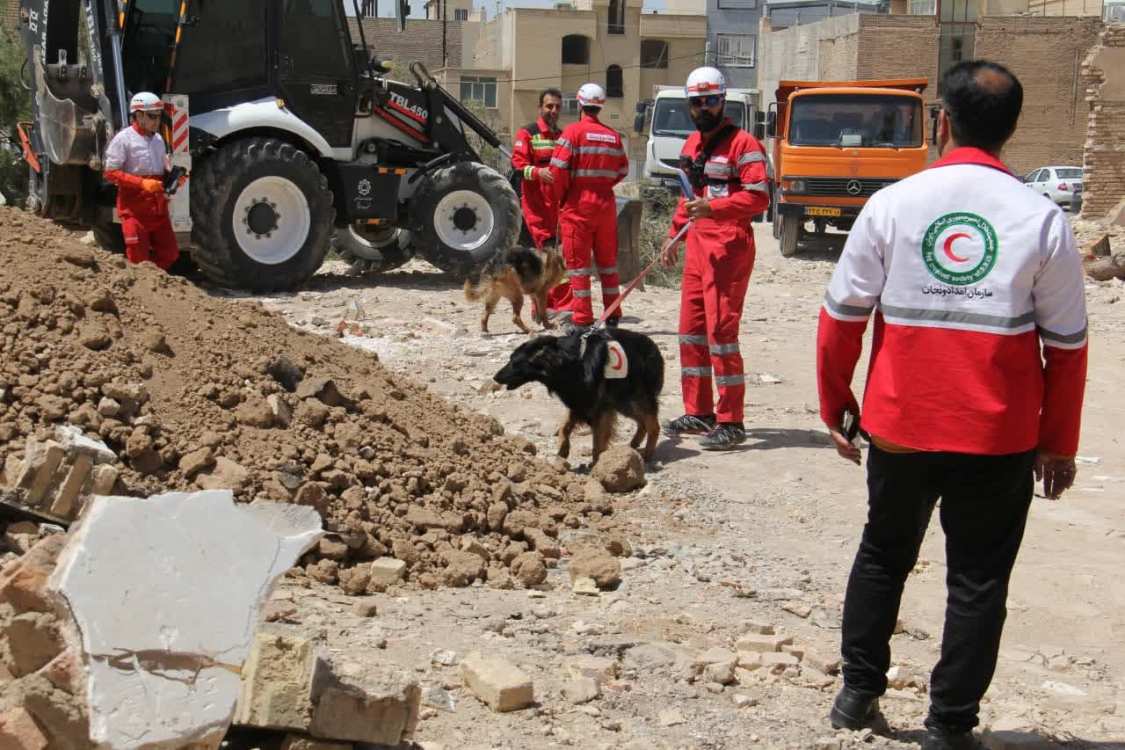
{"x": 689, "y": 424}
{"x": 852, "y": 711}
{"x": 942, "y": 739}
{"x": 725, "y": 436}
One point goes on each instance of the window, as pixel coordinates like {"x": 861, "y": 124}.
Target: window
{"x": 737, "y": 4}
{"x": 479, "y": 89}
{"x": 654, "y": 54}
{"x": 1069, "y": 174}
{"x": 955, "y": 44}
{"x": 856, "y": 121}
{"x": 616, "y": 17}
{"x": 236, "y": 60}
{"x": 461, "y": 14}
{"x": 736, "y": 50}
{"x": 923, "y": 7}
{"x": 614, "y": 82}
{"x": 570, "y": 105}
{"x": 575, "y": 50}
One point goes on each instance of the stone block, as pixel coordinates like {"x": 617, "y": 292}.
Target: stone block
{"x": 582, "y": 690}
{"x": 777, "y": 661}
{"x": 37, "y": 475}
{"x": 280, "y": 681}
{"x": 594, "y": 667}
{"x": 382, "y": 709}
{"x": 103, "y": 479}
{"x": 821, "y": 663}
{"x": 762, "y": 643}
{"x": 159, "y": 672}
{"x": 497, "y": 682}
{"x": 387, "y": 570}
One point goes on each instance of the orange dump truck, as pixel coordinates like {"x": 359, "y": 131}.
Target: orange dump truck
{"x": 835, "y": 143}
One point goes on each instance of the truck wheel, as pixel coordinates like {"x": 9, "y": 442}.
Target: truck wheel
{"x": 262, "y": 215}
{"x": 109, "y": 237}
{"x": 463, "y": 215}
{"x": 776, "y": 226}
{"x": 790, "y": 232}
{"x": 373, "y": 249}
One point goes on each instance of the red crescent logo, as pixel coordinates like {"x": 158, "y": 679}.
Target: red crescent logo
{"x": 615, "y": 361}
{"x": 949, "y": 247}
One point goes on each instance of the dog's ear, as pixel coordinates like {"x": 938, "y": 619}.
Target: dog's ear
{"x": 593, "y": 361}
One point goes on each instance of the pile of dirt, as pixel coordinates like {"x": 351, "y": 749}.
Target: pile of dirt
{"x": 195, "y": 392}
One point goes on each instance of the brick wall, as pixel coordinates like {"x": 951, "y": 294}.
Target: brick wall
{"x": 9, "y": 14}
{"x": 898, "y": 47}
{"x": 838, "y": 58}
{"x": 1046, "y": 54}
{"x": 1103, "y": 83}
{"x": 420, "y": 41}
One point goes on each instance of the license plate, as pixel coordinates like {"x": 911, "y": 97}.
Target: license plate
{"x": 817, "y": 211}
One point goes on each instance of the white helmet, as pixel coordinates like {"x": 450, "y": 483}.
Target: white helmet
{"x": 591, "y": 95}
{"x": 706, "y": 82}
{"x": 146, "y": 102}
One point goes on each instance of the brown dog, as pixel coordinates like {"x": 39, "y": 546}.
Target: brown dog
{"x": 511, "y": 275}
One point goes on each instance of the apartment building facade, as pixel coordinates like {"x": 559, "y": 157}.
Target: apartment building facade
{"x": 507, "y": 61}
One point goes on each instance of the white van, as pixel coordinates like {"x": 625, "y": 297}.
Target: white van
{"x": 670, "y": 124}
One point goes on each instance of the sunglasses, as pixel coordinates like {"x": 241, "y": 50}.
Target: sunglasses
{"x": 704, "y": 101}
{"x": 151, "y": 115}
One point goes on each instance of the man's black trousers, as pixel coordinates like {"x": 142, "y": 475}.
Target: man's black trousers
{"x": 984, "y": 505}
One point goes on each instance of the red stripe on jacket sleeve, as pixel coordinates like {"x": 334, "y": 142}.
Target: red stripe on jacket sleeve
{"x": 838, "y": 348}
{"x": 1065, "y": 384}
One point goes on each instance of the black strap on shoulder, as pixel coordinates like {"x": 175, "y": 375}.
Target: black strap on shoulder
{"x": 697, "y": 170}
{"x": 532, "y": 129}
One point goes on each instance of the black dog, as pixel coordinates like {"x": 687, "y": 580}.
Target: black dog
{"x": 578, "y": 380}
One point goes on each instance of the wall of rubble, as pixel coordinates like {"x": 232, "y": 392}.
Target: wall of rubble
{"x": 1103, "y": 80}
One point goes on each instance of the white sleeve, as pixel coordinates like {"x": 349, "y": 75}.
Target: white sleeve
{"x": 860, "y": 274}
{"x": 1059, "y": 291}
{"x": 116, "y": 152}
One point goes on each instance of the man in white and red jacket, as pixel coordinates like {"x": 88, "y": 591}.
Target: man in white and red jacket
{"x": 727, "y": 170}
{"x": 974, "y": 390}
{"x": 136, "y": 161}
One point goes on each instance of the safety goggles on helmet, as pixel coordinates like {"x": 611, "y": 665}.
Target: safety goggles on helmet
{"x": 704, "y": 101}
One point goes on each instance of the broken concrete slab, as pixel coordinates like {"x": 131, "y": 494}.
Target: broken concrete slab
{"x": 159, "y": 673}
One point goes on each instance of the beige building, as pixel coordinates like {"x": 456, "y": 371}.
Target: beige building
{"x": 953, "y": 11}
{"x": 507, "y": 61}
{"x": 455, "y": 10}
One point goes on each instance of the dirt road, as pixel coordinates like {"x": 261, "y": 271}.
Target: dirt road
{"x": 763, "y": 534}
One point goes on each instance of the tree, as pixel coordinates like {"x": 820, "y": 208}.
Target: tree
{"x": 15, "y": 106}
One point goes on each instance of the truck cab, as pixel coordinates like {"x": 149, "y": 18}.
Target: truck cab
{"x": 670, "y": 125}
{"x": 835, "y": 143}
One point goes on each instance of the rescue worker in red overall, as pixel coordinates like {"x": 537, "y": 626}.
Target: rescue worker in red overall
{"x": 589, "y": 160}
{"x": 727, "y": 169}
{"x": 136, "y": 161}
{"x": 531, "y": 159}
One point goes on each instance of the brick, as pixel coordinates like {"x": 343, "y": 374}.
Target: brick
{"x": 777, "y": 662}
{"x": 280, "y": 681}
{"x": 40, "y": 464}
{"x": 594, "y": 667}
{"x": 103, "y": 479}
{"x": 18, "y": 731}
{"x": 77, "y": 479}
{"x": 827, "y": 665}
{"x": 497, "y": 682}
{"x": 380, "y": 709}
{"x": 762, "y": 643}
{"x": 757, "y": 628}
{"x": 387, "y": 570}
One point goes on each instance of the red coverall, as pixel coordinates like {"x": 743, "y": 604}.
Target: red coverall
{"x": 588, "y": 161}
{"x": 717, "y": 266}
{"x": 540, "y": 210}
{"x": 132, "y": 157}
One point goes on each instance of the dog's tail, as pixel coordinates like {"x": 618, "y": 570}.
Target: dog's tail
{"x": 472, "y": 293}
{"x": 527, "y": 264}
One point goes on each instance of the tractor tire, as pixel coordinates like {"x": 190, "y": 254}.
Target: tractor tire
{"x": 462, "y": 215}
{"x": 262, "y": 214}
{"x": 372, "y": 250}
{"x": 791, "y": 230}
{"x": 109, "y": 237}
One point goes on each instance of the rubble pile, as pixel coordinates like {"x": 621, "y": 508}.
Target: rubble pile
{"x": 191, "y": 392}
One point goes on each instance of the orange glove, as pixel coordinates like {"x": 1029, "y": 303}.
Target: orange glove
{"x": 150, "y": 185}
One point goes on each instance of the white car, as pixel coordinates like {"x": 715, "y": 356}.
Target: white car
{"x": 1056, "y": 183}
